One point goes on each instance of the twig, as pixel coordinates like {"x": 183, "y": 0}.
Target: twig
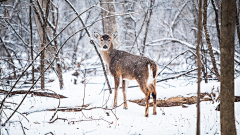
{"x": 49, "y": 133}
{"x": 16, "y": 33}
{"x": 17, "y": 112}
{"x": 114, "y": 115}
{"x": 22, "y": 127}
{"x": 139, "y": 32}
{"x": 58, "y": 119}
{"x": 12, "y": 63}
{"x": 175, "y": 58}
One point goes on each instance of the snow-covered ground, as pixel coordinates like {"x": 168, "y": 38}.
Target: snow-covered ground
{"x": 168, "y": 121}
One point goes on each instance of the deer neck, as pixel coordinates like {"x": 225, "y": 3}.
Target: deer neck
{"x": 107, "y": 55}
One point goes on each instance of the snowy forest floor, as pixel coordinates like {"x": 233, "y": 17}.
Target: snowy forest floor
{"x": 95, "y": 119}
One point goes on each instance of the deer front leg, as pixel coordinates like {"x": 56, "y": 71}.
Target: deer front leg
{"x": 124, "y": 88}
{"x": 117, "y": 82}
{"x": 154, "y": 95}
{"x": 147, "y": 104}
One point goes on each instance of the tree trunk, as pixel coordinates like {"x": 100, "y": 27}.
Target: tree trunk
{"x": 148, "y": 22}
{"x": 41, "y": 16}
{"x": 58, "y": 62}
{"x": 129, "y": 24}
{"x": 31, "y": 38}
{"x": 227, "y": 118}
{"x": 109, "y": 24}
{"x": 237, "y": 26}
{"x": 208, "y": 40}
{"x": 199, "y": 40}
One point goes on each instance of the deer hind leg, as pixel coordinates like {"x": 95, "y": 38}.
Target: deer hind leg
{"x": 145, "y": 90}
{"x": 117, "y": 82}
{"x": 147, "y": 103}
{"x": 124, "y": 88}
{"x": 154, "y": 95}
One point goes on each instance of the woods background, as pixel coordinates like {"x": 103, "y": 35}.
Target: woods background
{"x": 38, "y": 37}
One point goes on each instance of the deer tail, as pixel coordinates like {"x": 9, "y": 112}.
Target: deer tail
{"x": 152, "y": 75}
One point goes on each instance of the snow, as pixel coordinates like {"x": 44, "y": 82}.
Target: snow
{"x": 168, "y": 121}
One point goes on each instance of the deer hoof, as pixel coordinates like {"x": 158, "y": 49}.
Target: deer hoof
{"x": 146, "y": 115}
{"x": 115, "y": 106}
{"x": 155, "y": 113}
{"x": 125, "y": 108}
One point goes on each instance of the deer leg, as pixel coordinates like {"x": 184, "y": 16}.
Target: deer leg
{"x": 117, "y": 82}
{"x": 154, "y": 95}
{"x": 124, "y": 88}
{"x": 147, "y": 104}
{"x": 146, "y": 91}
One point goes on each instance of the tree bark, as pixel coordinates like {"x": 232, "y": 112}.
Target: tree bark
{"x": 58, "y": 62}
{"x": 148, "y": 22}
{"x": 129, "y": 24}
{"x": 216, "y": 20}
{"x": 31, "y": 38}
{"x": 199, "y": 40}
{"x": 237, "y": 26}
{"x": 41, "y": 17}
{"x": 109, "y": 24}
{"x": 208, "y": 40}
{"x": 227, "y": 118}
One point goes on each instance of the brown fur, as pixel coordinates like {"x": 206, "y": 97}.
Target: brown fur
{"x": 127, "y": 66}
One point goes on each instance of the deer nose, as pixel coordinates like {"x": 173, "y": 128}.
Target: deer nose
{"x": 105, "y": 47}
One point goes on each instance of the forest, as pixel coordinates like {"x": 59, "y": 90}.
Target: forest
{"x": 56, "y": 77}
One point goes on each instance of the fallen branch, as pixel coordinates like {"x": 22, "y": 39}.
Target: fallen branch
{"x": 44, "y": 94}
{"x": 69, "y": 122}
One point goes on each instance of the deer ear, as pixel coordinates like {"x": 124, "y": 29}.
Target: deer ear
{"x": 96, "y": 35}
{"x": 114, "y": 34}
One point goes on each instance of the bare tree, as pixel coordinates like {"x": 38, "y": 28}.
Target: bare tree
{"x": 208, "y": 39}
{"x": 199, "y": 40}
{"x": 129, "y": 23}
{"x": 149, "y": 14}
{"x": 41, "y": 16}
{"x": 31, "y": 37}
{"x": 227, "y": 118}
{"x": 58, "y": 61}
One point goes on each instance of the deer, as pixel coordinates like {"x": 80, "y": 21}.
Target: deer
{"x": 124, "y": 66}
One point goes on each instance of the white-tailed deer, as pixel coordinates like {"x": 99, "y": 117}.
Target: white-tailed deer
{"x": 124, "y": 66}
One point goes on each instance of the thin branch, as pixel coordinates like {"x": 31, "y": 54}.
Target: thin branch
{"x": 10, "y": 57}
{"x": 103, "y": 67}
{"x": 16, "y": 33}
{"x": 208, "y": 39}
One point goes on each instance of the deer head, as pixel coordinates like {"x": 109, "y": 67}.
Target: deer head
{"x": 105, "y": 40}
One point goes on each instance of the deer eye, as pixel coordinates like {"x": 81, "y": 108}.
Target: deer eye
{"x": 108, "y": 39}
{"x": 101, "y": 39}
